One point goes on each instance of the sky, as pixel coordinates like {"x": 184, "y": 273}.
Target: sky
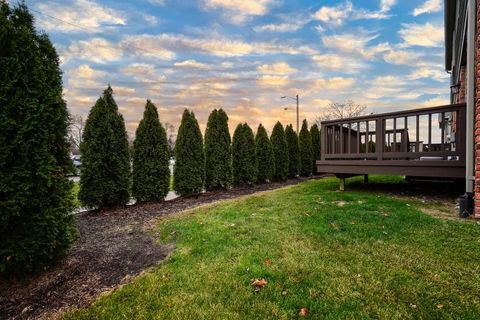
{"x": 243, "y": 55}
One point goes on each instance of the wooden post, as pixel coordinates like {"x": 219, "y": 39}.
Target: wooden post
{"x": 342, "y": 184}
{"x": 365, "y": 178}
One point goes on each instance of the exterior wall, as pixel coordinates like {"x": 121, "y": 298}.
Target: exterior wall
{"x": 477, "y": 114}
{"x": 460, "y": 97}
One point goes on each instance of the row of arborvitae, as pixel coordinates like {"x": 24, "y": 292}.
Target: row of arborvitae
{"x": 217, "y": 163}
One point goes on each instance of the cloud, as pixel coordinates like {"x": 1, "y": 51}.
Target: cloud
{"x": 400, "y": 57}
{"x": 91, "y": 16}
{"x": 425, "y": 72}
{"x": 388, "y": 81}
{"x": 337, "y": 62}
{"x": 139, "y": 69}
{"x": 158, "y": 2}
{"x": 191, "y": 64}
{"x": 151, "y": 20}
{"x": 96, "y": 50}
{"x": 84, "y": 71}
{"x": 356, "y": 42}
{"x": 237, "y": 11}
{"x": 280, "y": 27}
{"x": 424, "y": 35}
{"x": 336, "y": 15}
{"x": 334, "y": 83}
{"x": 273, "y": 81}
{"x": 276, "y": 68}
{"x": 428, "y": 6}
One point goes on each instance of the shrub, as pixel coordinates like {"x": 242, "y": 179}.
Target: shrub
{"x": 105, "y": 174}
{"x": 305, "y": 142}
{"x": 189, "y": 171}
{"x": 293, "y": 152}
{"x": 151, "y": 174}
{"x": 280, "y": 152}
{"x": 35, "y": 195}
{"x": 264, "y": 155}
{"x": 316, "y": 146}
{"x": 218, "y": 153}
{"x": 243, "y": 152}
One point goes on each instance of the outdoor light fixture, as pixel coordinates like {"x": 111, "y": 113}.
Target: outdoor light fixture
{"x": 454, "y": 89}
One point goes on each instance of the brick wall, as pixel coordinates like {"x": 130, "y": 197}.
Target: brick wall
{"x": 477, "y": 114}
{"x": 460, "y": 97}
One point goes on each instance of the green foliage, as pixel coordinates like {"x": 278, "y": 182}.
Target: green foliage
{"x": 280, "y": 152}
{"x": 105, "y": 174}
{"x": 189, "y": 172}
{"x": 264, "y": 155}
{"x": 35, "y": 195}
{"x": 306, "y": 156}
{"x": 293, "y": 152}
{"x": 218, "y": 153}
{"x": 316, "y": 146}
{"x": 243, "y": 151}
{"x": 151, "y": 174}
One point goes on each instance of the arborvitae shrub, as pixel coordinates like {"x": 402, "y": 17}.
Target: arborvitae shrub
{"x": 280, "y": 152}
{"x": 35, "y": 194}
{"x": 264, "y": 155}
{"x": 105, "y": 173}
{"x": 293, "y": 151}
{"x": 218, "y": 153}
{"x": 305, "y": 142}
{"x": 189, "y": 171}
{"x": 244, "y": 160}
{"x": 316, "y": 146}
{"x": 151, "y": 174}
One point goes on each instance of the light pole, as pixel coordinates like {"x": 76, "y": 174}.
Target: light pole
{"x": 298, "y": 108}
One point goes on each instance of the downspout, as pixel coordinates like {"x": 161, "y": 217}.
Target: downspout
{"x": 470, "y": 114}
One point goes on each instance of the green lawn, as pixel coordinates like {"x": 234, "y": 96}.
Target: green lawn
{"x": 340, "y": 255}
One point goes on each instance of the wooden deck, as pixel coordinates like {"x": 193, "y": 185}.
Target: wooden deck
{"x": 428, "y": 142}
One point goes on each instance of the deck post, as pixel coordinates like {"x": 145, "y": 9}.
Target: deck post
{"x": 342, "y": 184}
{"x": 365, "y": 178}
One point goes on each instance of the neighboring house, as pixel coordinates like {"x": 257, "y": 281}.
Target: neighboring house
{"x": 439, "y": 142}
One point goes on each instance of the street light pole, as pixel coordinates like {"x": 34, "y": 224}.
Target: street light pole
{"x": 297, "y": 99}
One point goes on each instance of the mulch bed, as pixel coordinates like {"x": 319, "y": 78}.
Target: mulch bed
{"x": 113, "y": 246}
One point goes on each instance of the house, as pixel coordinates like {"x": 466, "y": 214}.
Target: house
{"x": 438, "y": 142}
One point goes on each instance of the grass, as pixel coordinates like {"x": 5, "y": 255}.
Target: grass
{"x": 75, "y": 190}
{"x": 351, "y": 255}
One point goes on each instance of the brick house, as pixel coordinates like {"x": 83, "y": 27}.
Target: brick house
{"x": 462, "y": 61}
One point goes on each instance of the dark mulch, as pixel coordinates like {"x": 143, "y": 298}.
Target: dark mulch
{"x": 113, "y": 246}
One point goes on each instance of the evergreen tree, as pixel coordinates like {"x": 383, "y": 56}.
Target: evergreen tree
{"x": 151, "y": 174}
{"x": 189, "y": 172}
{"x": 35, "y": 194}
{"x": 264, "y": 155}
{"x": 316, "y": 146}
{"x": 293, "y": 151}
{"x": 280, "y": 152}
{"x": 105, "y": 174}
{"x": 243, "y": 150}
{"x": 305, "y": 143}
{"x": 218, "y": 153}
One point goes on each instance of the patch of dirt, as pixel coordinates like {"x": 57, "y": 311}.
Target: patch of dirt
{"x": 113, "y": 247}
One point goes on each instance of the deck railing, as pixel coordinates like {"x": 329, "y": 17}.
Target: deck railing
{"x": 428, "y": 134}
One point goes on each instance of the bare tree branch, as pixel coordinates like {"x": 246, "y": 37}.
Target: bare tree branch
{"x": 75, "y": 132}
{"x": 336, "y": 110}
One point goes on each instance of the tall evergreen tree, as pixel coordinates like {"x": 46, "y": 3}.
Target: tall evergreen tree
{"x": 218, "y": 153}
{"x": 151, "y": 174}
{"x": 316, "y": 146}
{"x": 293, "y": 151}
{"x": 280, "y": 152}
{"x": 264, "y": 155}
{"x": 305, "y": 143}
{"x": 105, "y": 174}
{"x": 189, "y": 172}
{"x": 35, "y": 194}
{"x": 243, "y": 150}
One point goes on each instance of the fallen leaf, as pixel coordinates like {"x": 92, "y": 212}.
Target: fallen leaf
{"x": 268, "y": 262}
{"x": 303, "y": 312}
{"x": 413, "y": 306}
{"x": 307, "y": 214}
{"x": 352, "y": 222}
{"x": 284, "y": 292}
{"x": 8, "y": 258}
{"x": 385, "y": 214}
{"x": 259, "y": 282}
{"x": 334, "y": 226}
{"x": 439, "y": 306}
